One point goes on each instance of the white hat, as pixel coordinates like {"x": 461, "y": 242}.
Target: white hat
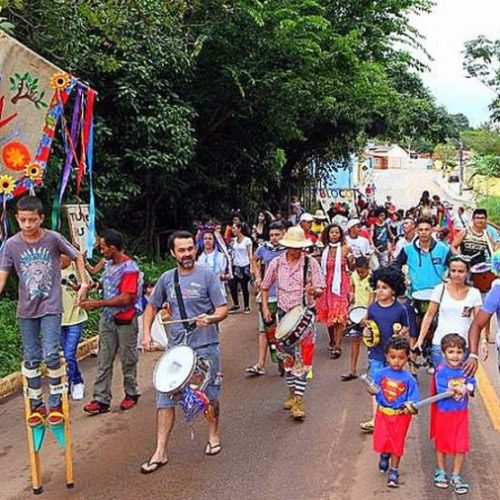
{"x": 295, "y": 238}
{"x": 305, "y": 217}
{"x": 352, "y": 223}
{"x": 320, "y": 215}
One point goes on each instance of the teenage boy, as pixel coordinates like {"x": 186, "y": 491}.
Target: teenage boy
{"x": 34, "y": 253}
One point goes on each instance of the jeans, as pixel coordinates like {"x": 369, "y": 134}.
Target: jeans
{"x": 436, "y": 355}
{"x": 41, "y": 341}
{"x": 70, "y": 337}
{"x": 115, "y": 339}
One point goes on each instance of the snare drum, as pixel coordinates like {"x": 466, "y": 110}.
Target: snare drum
{"x": 180, "y": 368}
{"x": 482, "y": 277}
{"x": 421, "y": 300}
{"x": 294, "y": 326}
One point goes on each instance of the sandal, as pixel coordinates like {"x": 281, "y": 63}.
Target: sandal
{"x": 213, "y": 449}
{"x": 440, "y": 479}
{"x": 348, "y": 376}
{"x": 460, "y": 487}
{"x": 150, "y": 467}
{"x": 255, "y": 370}
{"x": 336, "y": 353}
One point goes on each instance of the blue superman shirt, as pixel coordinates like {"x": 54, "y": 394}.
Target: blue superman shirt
{"x": 445, "y": 377}
{"x": 397, "y": 387}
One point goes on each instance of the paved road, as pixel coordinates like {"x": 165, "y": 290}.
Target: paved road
{"x": 266, "y": 455}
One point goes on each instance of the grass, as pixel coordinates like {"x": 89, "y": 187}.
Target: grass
{"x": 492, "y": 204}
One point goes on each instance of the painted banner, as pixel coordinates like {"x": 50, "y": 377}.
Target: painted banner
{"x": 32, "y": 95}
{"x": 78, "y": 221}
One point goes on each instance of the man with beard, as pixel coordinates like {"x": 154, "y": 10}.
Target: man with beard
{"x": 189, "y": 291}
{"x": 118, "y": 329}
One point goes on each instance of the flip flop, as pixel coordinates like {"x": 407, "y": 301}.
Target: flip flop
{"x": 145, "y": 468}
{"x": 347, "y": 377}
{"x": 213, "y": 449}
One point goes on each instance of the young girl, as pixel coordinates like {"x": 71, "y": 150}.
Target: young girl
{"x": 392, "y": 420}
{"x": 450, "y": 417}
{"x": 386, "y": 311}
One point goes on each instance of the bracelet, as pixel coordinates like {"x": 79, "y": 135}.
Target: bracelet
{"x": 473, "y": 356}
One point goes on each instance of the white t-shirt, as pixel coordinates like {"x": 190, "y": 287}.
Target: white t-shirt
{"x": 401, "y": 243}
{"x": 241, "y": 257}
{"x": 359, "y": 246}
{"x": 455, "y": 316}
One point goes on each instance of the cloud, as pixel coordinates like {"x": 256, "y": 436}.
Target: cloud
{"x": 446, "y": 29}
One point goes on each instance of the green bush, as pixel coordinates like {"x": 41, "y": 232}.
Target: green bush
{"x": 492, "y": 204}
{"x": 11, "y": 352}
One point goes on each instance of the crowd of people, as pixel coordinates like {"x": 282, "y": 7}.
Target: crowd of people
{"x": 405, "y": 283}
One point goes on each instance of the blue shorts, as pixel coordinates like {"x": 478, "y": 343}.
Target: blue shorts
{"x": 375, "y": 366}
{"x": 212, "y": 390}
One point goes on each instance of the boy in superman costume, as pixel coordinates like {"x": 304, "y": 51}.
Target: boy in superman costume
{"x": 392, "y": 419}
{"x": 450, "y": 417}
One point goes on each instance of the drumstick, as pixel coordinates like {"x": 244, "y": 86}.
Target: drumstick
{"x": 187, "y": 320}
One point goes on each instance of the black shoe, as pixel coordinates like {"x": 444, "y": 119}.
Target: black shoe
{"x": 234, "y": 309}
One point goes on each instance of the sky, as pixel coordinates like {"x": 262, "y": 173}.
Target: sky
{"x": 446, "y": 29}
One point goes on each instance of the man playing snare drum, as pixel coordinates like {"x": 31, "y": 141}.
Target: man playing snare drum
{"x": 201, "y": 297}
{"x": 298, "y": 279}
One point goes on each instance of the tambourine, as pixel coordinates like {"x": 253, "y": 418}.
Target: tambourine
{"x": 372, "y": 339}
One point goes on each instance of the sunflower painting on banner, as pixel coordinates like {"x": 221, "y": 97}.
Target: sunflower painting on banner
{"x": 33, "y": 95}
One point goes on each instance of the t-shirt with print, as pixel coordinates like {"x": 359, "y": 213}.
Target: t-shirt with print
{"x": 359, "y": 246}
{"x": 380, "y": 237}
{"x": 117, "y": 278}
{"x": 201, "y": 293}
{"x": 386, "y": 317}
{"x": 454, "y": 316}
{"x": 39, "y": 271}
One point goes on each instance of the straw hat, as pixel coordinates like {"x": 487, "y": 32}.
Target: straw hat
{"x": 319, "y": 215}
{"x": 295, "y": 238}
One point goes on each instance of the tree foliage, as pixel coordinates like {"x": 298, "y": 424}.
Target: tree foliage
{"x": 482, "y": 61}
{"x": 208, "y": 105}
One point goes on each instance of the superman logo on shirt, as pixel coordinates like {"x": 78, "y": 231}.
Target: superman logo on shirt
{"x": 392, "y": 389}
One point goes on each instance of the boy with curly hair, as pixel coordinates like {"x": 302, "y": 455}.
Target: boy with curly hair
{"x": 389, "y": 316}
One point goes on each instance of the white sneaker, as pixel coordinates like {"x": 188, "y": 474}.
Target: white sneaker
{"x": 77, "y": 392}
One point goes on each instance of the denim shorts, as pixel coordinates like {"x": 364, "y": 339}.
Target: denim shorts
{"x": 375, "y": 366}
{"x": 212, "y": 354}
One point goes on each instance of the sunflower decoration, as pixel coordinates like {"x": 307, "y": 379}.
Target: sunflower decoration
{"x": 33, "y": 171}
{"x": 7, "y": 184}
{"x": 60, "y": 81}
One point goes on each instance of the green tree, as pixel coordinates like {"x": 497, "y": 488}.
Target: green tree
{"x": 482, "y": 61}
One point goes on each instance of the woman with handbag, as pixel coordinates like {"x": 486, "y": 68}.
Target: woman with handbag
{"x": 452, "y": 308}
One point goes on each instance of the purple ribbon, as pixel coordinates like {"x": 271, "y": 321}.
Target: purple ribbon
{"x": 75, "y": 126}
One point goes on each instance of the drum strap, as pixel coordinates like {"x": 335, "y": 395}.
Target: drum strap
{"x": 180, "y": 301}
{"x": 306, "y": 266}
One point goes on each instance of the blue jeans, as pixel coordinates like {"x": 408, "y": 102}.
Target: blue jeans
{"x": 41, "y": 341}
{"x": 70, "y": 337}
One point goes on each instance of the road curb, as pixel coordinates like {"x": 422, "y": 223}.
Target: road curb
{"x": 489, "y": 397}
{"x": 14, "y": 382}
{"x": 451, "y": 194}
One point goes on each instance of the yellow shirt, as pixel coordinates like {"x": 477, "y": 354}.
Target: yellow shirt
{"x": 362, "y": 290}
{"x": 72, "y": 315}
{"x": 317, "y": 228}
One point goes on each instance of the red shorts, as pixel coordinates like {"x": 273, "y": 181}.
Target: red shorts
{"x": 450, "y": 431}
{"x": 390, "y": 432}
